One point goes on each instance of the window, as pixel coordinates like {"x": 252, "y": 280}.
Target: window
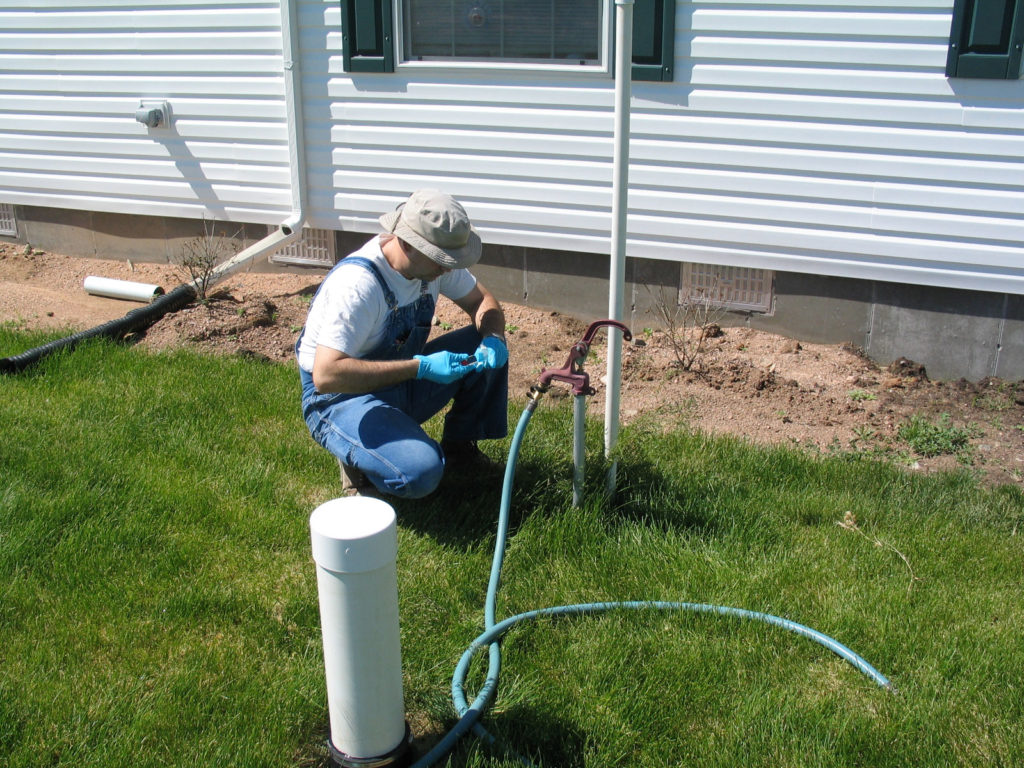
{"x": 567, "y": 32}
{"x": 986, "y": 39}
{"x": 549, "y": 33}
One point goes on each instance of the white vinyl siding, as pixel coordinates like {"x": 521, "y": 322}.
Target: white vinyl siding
{"x": 74, "y": 73}
{"x": 798, "y": 136}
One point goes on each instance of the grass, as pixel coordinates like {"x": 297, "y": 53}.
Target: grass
{"x": 158, "y": 601}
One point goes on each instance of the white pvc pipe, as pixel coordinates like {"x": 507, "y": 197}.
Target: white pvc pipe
{"x": 620, "y": 206}
{"x": 121, "y": 289}
{"x": 355, "y": 544}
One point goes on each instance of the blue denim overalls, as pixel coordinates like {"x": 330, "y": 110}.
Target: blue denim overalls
{"x": 378, "y": 432}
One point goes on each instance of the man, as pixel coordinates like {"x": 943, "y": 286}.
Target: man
{"x": 369, "y": 377}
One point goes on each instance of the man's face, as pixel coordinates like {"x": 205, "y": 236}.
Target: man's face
{"x": 421, "y": 267}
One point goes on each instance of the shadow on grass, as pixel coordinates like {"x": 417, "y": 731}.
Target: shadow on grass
{"x": 465, "y": 507}
{"x": 543, "y": 739}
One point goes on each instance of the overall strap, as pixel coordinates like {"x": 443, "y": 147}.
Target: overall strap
{"x": 389, "y": 296}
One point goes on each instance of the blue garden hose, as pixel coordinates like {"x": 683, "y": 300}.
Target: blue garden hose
{"x": 470, "y": 713}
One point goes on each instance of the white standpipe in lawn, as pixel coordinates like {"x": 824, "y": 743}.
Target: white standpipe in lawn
{"x": 355, "y": 546}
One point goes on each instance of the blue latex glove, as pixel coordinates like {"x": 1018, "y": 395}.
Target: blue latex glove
{"x": 492, "y": 352}
{"x": 445, "y": 367}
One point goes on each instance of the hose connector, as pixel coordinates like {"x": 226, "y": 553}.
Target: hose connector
{"x": 572, "y": 372}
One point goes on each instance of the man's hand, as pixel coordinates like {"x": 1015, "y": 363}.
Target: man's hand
{"x": 445, "y": 367}
{"x": 492, "y": 352}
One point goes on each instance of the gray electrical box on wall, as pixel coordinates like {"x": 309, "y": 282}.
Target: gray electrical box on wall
{"x": 154, "y": 114}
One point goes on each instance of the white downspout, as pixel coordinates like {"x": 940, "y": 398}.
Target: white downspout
{"x": 620, "y": 207}
{"x": 290, "y": 229}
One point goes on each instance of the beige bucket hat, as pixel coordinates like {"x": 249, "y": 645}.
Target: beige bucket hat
{"x": 436, "y": 225}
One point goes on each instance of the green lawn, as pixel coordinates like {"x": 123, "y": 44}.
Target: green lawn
{"x": 158, "y": 598}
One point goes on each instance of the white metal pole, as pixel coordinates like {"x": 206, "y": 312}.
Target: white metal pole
{"x": 620, "y": 206}
{"x": 355, "y": 545}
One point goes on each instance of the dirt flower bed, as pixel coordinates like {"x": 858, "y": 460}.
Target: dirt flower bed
{"x": 756, "y": 385}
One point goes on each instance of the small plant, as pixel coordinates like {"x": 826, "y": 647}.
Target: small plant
{"x": 860, "y": 395}
{"x": 510, "y": 329}
{"x": 689, "y": 322}
{"x": 849, "y": 523}
{"x": 1000, "y": 398}
{"x": 862, "y": 435}
{"x": 201, "y": 255}
{"x": 935, "y": 439}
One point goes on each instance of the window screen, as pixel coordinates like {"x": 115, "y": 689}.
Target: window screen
{"x": 549, "y": 31}
{"x": 8, "y": 223}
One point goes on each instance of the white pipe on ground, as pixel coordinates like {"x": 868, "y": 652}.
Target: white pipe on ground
{"x": 620, "y": 207}
{"x": 355, "y": 544}
{"x": 121, "y": 289}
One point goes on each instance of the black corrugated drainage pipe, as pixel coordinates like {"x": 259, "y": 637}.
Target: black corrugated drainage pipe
{"x": 136, "y": 320}
{"x": 181, "y": 296}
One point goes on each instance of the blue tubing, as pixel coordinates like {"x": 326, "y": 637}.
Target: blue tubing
{"x": 470, "y": 713}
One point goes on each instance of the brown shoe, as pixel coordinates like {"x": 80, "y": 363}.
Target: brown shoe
{"x": 354, "y": 482}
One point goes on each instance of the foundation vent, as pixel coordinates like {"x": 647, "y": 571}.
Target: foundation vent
{"x": 314, "y": 248}
{"x": 738, "y": 288}
{"x": 8, "y": 223}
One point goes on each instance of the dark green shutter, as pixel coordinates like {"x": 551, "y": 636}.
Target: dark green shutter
{"x": 654, "y": 38}
{"x": 367, "y": 36}
{"x": 986, "y": 39}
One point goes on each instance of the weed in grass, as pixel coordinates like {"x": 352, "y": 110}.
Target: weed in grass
{"x": 849, "y": 523}
{"x": 927, "y": 439}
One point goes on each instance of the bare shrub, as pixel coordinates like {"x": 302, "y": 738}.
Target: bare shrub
{"x": 689, "y": 322}
{"x": 200, "y": 256}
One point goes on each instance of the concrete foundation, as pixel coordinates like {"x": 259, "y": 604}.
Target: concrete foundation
{"x": 953, "y": 333}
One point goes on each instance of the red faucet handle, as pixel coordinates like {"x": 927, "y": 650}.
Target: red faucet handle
{"x": 572, "y": 372}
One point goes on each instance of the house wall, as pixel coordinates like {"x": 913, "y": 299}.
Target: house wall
{"x": 799, "y": 136}
{"x": 822, "y": 141}
{"x": 809, "y": 137}
{"x": 74, "y": 73}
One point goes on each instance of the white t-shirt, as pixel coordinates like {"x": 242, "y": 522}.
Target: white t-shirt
{"x": 350, "y": 310}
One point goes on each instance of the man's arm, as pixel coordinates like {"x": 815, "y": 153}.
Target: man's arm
{"x": 484, "y": 310}
{"x": 334, "y": 371}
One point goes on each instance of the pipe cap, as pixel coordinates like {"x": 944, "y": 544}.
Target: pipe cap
{"x": 354, "y": 534}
